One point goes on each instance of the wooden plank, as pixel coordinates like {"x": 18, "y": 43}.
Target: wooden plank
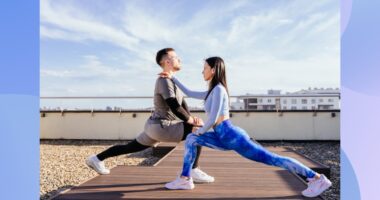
{"x": 214, "y": 158}
{"x": 126, "y": 182}
{"x": 236, "y": 178}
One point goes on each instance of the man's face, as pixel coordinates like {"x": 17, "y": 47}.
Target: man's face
{"x": 173, "y": 61}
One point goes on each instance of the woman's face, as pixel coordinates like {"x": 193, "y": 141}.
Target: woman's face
{"x": 207, "y": 72}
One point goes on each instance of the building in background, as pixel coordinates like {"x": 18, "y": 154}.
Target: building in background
{"x": 310, "y": 99}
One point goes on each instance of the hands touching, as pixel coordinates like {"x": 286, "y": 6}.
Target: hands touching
{"x": 196, "y": 121}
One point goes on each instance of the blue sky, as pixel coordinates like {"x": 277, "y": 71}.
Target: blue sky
{"x": 103, "y": 48}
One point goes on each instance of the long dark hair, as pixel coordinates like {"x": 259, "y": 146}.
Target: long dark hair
{"x": 217, "y": 63}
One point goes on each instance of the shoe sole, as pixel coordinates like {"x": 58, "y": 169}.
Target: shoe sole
{"x": 202, "y": 181}
{"x": 311, "y": 196}
{"x": 179, "y": 188}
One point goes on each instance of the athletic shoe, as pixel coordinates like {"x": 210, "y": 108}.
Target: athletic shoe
{"x": 316, "y": 186}
{"x": 97, "y": 165}
{"x": 200, "y": 176}
{"x": 180, "y": 184}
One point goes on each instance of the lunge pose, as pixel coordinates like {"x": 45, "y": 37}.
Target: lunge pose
{"x": 226, "y": 136}
{"x": 170, "y": 122}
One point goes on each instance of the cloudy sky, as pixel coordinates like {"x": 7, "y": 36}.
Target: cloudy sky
{"x": 107, "y": 48}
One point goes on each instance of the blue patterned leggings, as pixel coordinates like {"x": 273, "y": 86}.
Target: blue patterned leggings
{"x": 226, "y": 136}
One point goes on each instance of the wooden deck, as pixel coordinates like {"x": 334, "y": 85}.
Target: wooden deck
{"x": 215, "y": 158}
{"x": 235, "y": 178}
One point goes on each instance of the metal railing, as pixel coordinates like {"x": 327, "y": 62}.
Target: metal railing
{"x": 120, "y": 103}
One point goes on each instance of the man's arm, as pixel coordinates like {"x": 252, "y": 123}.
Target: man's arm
{"x": 167, "y": 91}
{"x": 178, "y": 110}
{"x": 184, "y": 106}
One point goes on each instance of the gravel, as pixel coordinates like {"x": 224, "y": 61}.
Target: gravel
{"x": 62, "y": 162}
{"x": 327, "y": 153}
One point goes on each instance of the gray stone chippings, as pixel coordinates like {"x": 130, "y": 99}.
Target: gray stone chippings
{"x": 62, "y": 162}
{"x": 327, "y": 153}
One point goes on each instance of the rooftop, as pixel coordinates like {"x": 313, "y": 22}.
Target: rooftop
{"x": 259, "y": 182}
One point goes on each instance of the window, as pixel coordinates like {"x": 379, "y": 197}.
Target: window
{"x": 304, "y": 101}
{"x": 253, "y": 100}
{"x": 252, "y": 107}
{"x": 294, "y": 101}
{"x": 284, "y": 101}
{"x": 293, "y": 108}
{"x": 260, "y": 100}
{"x": 321, "y": 100}
{"x": 313, "y": 101}
{"x": 284, "y": 108}
{"x": 331, "y": 100}
{"x": 269, "y": 100}
{"x": 304, "y": 107}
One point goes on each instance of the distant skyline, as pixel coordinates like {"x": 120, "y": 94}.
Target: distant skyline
{"x": 107, "y": 48}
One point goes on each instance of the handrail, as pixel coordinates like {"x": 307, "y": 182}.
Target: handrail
{"x": 148, "y": 97}
{"x": 192, "y": 110}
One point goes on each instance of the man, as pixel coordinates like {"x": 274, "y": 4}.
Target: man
{"x": 170, "y": 122}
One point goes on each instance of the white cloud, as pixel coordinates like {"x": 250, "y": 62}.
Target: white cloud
{"x": 74, "y": 22}
{"x": 290, "y": 45}
{"x": 52, "y": 33}
{"x": 93, "y": 77}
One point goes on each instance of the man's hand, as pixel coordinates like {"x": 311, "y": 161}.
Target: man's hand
{"x": 198, "y": 122}
{"x": 195, "y": 121}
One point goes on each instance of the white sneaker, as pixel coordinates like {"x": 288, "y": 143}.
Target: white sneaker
{"x": 316, "y": 186}
{"x": 97, "y": 165}
{"x": 200, "y": 176}
{"x": 180, "y": 184}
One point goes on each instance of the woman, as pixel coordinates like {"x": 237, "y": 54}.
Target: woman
{"x": 226, "y": 136}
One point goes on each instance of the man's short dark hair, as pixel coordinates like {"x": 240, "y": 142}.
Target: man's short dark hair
{"x": 161, "y": 53}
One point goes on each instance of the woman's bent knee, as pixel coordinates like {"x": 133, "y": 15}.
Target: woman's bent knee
{"x": 191, "y": 139}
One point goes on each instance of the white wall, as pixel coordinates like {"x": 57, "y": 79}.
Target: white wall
{"x": 259, "y": 125}
{"x": 309, "y": 104}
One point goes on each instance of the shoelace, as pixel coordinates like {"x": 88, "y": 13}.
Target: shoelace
{"x": 102, "y": 165}
{"x": 311, "y": 183}
{"x": 200, "y": 172}
{"x": 310, "y": 179}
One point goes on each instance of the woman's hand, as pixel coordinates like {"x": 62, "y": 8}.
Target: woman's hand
{"x": 196, "y": 121}
{"x": 166, "y": 74}
{"x": 195, "y": 128}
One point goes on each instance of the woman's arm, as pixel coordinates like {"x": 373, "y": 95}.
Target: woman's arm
{"x": 189, "y": 93}
{"x": 216, "y": 107}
